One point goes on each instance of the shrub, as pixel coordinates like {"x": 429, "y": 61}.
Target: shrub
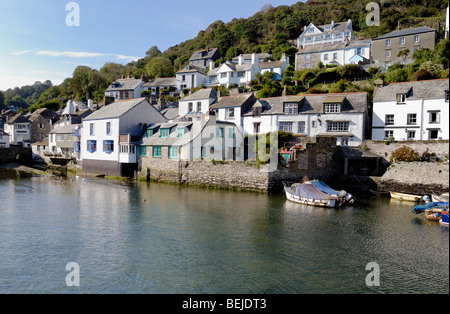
{"x": 404, "y": 153}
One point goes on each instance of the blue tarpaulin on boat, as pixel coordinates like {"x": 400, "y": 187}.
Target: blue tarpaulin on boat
{"x": 310, "y": 191}
{"x": 325, "y": 188}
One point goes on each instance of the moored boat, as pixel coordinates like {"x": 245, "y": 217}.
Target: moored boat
{"x": 309, "y": 194}
{"x": 444, "y": 197}
{"x": 406, "y": 197}
{"x": 444, "y": 219}
{"x": 343, "y": 195}
{"x": 434, "y": 211}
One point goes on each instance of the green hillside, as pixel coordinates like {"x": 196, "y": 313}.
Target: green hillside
{"x": 274, "y": 28}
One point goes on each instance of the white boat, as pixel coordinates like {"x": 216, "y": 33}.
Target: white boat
{"x": 406, "y": 197}
{"x": 308, "y": 194}
{"x": 440, "y": 198}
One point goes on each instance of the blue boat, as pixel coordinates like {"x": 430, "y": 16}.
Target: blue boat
{"x": 430, "y": 206}
{"x": 444, "y": 219}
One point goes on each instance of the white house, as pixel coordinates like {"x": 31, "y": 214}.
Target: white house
{"x": 411, "y": 111}
{"x": 342, "y": 53}
{"x": 109, "y": 136}
{"x": 275, "y": 67}
{"x": 4, "y": 139}
{"x": 233, "y": 108}
{"x": 190, "y": 77}
{"x": 125, "y": 88}
{"x": 325, "y": 34}
{"x": 342, "y": 115}
{"x": 198, "y": 102}
{"x": 61, "y": 140}
{"x": 18, "y": 128}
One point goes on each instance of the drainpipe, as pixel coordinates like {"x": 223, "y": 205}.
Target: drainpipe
{"x": 421, "y": 119}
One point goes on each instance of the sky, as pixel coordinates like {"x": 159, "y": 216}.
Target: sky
{"x": 47, "y": 39}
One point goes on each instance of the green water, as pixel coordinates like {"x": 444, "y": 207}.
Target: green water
{"x": 155, "y": 238}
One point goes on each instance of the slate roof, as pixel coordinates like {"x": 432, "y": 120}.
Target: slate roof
{"x": 240, "y": 100}
{"x": 205, "y": 93}
{"x": 313, "y": 103}
{"x": 190, "y": 69}
{"x": 124, "y": 84}
{"x": 115, "y": 110}
{"x": 203, "y": 54}
{"x": 170, "y": 113}
{"x": 18, "y": 118}
{"x": 336, "y": 46}
{"x": 430, "y": 89}
{"x": 162, "y": 81}
{"x": 406, "y": 32}
{"x": 272, "y": 64}
{"x": 67, "y": 129}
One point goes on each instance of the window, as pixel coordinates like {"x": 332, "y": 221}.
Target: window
{"x": 328, "y": 37}
{"x": 230, "y": 113}
{"x": 173, "y": 152}
{"x": 180, "y": 132}
{"x": 59, "y": 137}
{"x": 42, "y": 126}
{"x": 411, "y": 118}
{"x": 291, "y": 107}
{"x": 108, "y": 128}
{"x": 91, "y": 129}
{"x": 157, "y": 151}
{"x": 91, "y": 146}
{"x": 416, "y": 38}
{"x": 76, "y": 147}
{"x": 434, "y": 116}
{"x": 411, "y": 135}
{"x": 446, "y": 96}
{"x": 199, "y": 106}
{"x": 433, "y": 134}
{"x": 338, "y": 35}
{"x": 310, "y": 30}
{"x": 150, "y": 133}
{"x": 286, "y": 126}
{"x": 337, "y": 126}
{"x": 301, "y": 127}
{"x": 388, "y": 134}
{"x": 142, "y": 151}
{"x": 387, "y": 53}
{"x": 219, "y": 132}
{"x": 388, "y": 42}
{"x": 402, "y": 41}
{"x": 183, "y": 78}
{"x": 318, "y": 38}
{"x": 190, "y": 107}
{"x": 241, "y": 74}
{"x": 313, "y": 124}
{"x": 256, "y": 128}
{"x": 325, "y": 57}
{"x": 223, "y": 75}
{"x": 334, "y": 55}
{"x": 359, "y": 51}
{"x": 108, "y": 146}
{"x": 332, "y": 108}
{"x": 307, "y": 57}
{"x": 401, "y": 98}
{"x": 389, "y": 119}
{"x": 164, "y": 132}
{"x": 231, "y": 133}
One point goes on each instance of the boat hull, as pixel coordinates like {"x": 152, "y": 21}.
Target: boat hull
{"x": 406, "y": 197}
{"x": 309, "y": 201}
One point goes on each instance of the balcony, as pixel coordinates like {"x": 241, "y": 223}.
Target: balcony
{"x": 127, "y": 153}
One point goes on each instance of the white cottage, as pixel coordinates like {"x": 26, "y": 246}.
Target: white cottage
{"x": 411, "y": 111}
{"x": 197, "y": 102}
{"x": 342, "y": 115}
{"x": 19, "y": 128}
{"x": 109, "y": 136}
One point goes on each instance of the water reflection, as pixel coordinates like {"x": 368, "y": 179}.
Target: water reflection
{"x": 154, "y": 238}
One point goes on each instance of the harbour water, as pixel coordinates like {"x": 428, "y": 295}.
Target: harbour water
{"x": 164, "y": 239}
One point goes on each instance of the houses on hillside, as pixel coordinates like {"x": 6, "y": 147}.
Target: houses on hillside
{"x": 325, "y": 34}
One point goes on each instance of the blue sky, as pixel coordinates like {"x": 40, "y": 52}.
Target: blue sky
{"x": 36, "y": 44}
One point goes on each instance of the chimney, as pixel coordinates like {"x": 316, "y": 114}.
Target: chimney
{"x": 70, "y": 106}
{"x": 91, "y": 104}
{"x": 254, "y": 58}
{"x": 332, "y": 24}
{"x": 240, "y": 59}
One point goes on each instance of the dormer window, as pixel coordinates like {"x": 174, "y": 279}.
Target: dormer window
{"x": 401, "y": 98}
{"x": 290, "y": 108}
{"x": 164, "y": 132}
{"x": 332, "y": 108}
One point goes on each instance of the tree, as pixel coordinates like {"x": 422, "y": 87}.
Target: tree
{"x": 159, "y": 67}
{"x": 153, "y": 52}
{"x": 18, "y": 101}
{"x": 403, "y": 53}
{"x": 2, "y": 100}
